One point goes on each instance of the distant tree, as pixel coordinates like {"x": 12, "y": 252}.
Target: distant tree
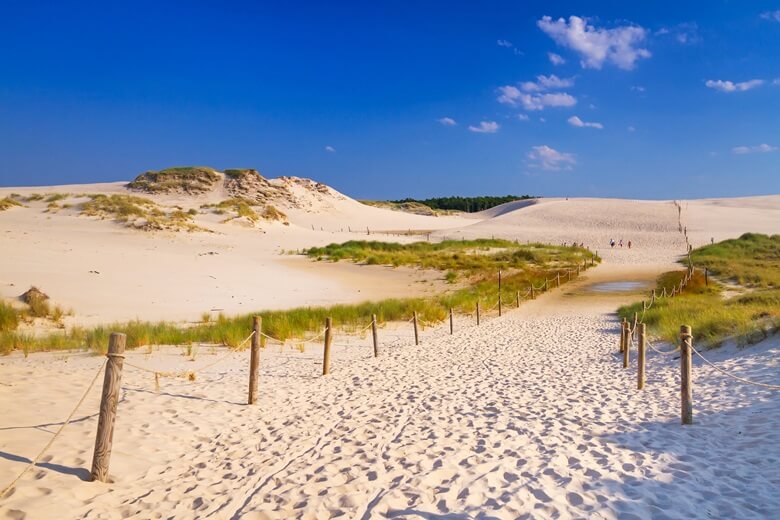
{"x": 467, "y": 204}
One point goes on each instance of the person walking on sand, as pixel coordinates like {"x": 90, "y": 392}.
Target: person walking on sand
{"x": 629, "y": 244}
{"x": 612, "y": 243}
{"x": 621, "y": 242}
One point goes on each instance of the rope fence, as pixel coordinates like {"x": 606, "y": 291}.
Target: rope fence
{"x": 115, "y": 361}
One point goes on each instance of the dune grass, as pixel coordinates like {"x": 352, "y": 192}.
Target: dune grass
{"x": 753, "y": 260}
{"x": 8, "y": 203}
{"x": 138, "y": 213}
{"x": 477, "y": 261}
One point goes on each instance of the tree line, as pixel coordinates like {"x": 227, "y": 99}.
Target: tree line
{"x": 467, "y": 204}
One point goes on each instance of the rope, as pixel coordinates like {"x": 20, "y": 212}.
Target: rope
{"x": 649, "y": 344}
{"x": 57, "y": 434}
{"x": 742, "y": 379}
{"x": 190, "y": 375}
{"x": 306, "y": 340}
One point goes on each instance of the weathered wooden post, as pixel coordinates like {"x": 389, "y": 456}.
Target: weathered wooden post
{"x": 652, "y": 300}
{"x": 254, "y": 358}
{"x": 623, "y": 328}
{"x": 416, "y": 335}
{"x": 664, "y": 293}
{"x": 706, "y": 277}
{"x": 640, "y": 360}
{"x": 499, "y": 293}
{"x": 112, "y": 383}
{"x": 626, "y": 345}
{"x": 375, "y": 334}
{"x": 452, "y": 322}
{"x": 326, "y": 351}
{"x": 477, "y": 312}
{"x": 517, "y": 296}
{"x": 558, "y": 280}
{"x": 545, "y": 285}
{"x": 533, "y": 296}
{"x": 686, "y": 385}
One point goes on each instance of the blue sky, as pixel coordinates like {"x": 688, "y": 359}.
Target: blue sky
{"x": 658, "y": 100}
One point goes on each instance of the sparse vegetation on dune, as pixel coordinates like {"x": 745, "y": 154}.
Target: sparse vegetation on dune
{"x": 182, "y": 179}
{"x": 466, "y": 204}
{"x": 477, "y": 263}
{"x": 8, "y": 203}
{"x": 753, "y": 261}
{"x": 138, "y": 212}
{"x": 239, "y": 207}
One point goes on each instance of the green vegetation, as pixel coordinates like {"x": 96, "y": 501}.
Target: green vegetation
{"x": 467, "y": 204}
{"x": 476, "y": 262}
{"x": 243, "y": 207}
{"x": 753, "y": 261}
{"x": 273, "y": 214}
{"x": 137, "y": 212}
{"x": 182, "y": 179}
{"x": 56, "y": 197}
{"x": 8, "y": 203}
{"x": 9, "y": 317}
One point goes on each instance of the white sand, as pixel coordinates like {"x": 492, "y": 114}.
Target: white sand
{"x": 529, "y": 415}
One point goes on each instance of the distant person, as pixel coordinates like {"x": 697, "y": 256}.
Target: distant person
{"x": 712, "y": 240}
{"x": 629, "y": 244}
{"x": 621, "y": 242}
{"x": 612, "y": 242}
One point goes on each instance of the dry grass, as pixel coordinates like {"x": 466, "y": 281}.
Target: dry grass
{"x": 138, "y": 213}
{"x": 8, "y": 203}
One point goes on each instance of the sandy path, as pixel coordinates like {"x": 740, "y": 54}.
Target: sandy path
{"x": 529, "y": 415}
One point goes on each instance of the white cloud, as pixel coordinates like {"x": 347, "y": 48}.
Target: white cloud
{"x": 597, "y": 46}
{"x": 729, "y": 86}
{"x": 761, "y": 148}
{"x": 550, "y": 159}
{"x": 523, "y": 117}
{"x": 638, "y": 88}
{"x": 447, "y": 121}
{"x": 771, "y": 15}
{"x": 556, "y": 59}
{"x": 684, "y": 33}
{"x": 631, "y": 129}
{"x": 485, "y": 127}
{"x": 542, "y": 83}
{"x": 330, "y": 149}
{"x": 513, "y": 96}
{"x": 576, "y": 121}
{"x": 504, "y": 43}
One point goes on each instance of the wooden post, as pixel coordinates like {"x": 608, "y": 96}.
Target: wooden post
{"x": 640, "y": 360}
{"x": 477, "y": 312}
{"x": 706, "y": 277}
{"x": 623, "y": 328}
{"x": 452, "y": 322}
{"x": 545, "y": 285}
{"x": 499, "y": 293}
{"x": 686, "y": 385}
{"x": 518, "y": 299}
{"x": 112, "y": 383}
{"x": 664, "y": 293}
{"x": 254, "y": 358}
{"x": 626, "y": 346}
{"x": 533, "y": 296}
{"x": 652, "y": 301}
{"x": 375, "y": 334}
{"x": 416, "y": 335}
{"x": 558, "y": 280}
{"x": 326, "y": 351}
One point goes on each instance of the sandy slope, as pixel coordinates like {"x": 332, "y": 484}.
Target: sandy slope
{"x": 529, "y": 415}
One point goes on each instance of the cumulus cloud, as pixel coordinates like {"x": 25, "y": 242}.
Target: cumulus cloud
{"x": 550, "y": 159}
{"x": 504, "y": 43}
{"x": 330, "y": 149}
{"x": 555, "y": 59}
{"x": 761, "y": 148}
{"x": 773, "y": 16}
{"x": 576, "y": 121}
{"x": 523, "y": 117}
{"x": 596, "y": 46}
{"x": 730, "y": 86}
{"x": 513, "y": 96}
{"x": 447, "y": 121}
{"x": 485, "y": 127}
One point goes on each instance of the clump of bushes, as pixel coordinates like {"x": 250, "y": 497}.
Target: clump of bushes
{"x": 191, "y": 180}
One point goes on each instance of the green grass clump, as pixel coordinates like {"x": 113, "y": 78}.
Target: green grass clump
{"x": 8, "y": 203}
{"x": 9, "y": 317}
{"x": 56, "y": 197}
{"x": 273, "y": 214}
{"x": 753, "y": 261}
